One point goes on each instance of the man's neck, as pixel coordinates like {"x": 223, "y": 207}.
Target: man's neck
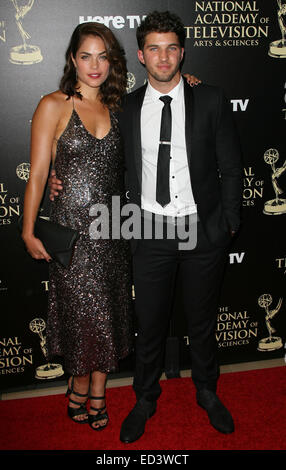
{"x": 165, "y": 87}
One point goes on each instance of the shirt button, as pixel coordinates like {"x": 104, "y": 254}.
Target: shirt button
{"x": 173, "y": 177}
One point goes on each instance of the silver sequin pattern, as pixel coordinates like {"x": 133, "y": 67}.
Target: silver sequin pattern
{"x": 90, "y": 318}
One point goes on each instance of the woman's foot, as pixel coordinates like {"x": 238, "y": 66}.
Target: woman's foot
{"x": 98, "y": 416}
{"x": 78, "y": 394}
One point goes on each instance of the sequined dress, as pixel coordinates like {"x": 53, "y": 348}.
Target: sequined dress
{"x": 90, "y": 306}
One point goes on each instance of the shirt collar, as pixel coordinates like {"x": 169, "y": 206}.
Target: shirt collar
{"x": 175, "y": 93}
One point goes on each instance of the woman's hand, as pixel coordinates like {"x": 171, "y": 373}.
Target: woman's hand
{"x": 191, "y": 79}
{"x": 36, "y": 248}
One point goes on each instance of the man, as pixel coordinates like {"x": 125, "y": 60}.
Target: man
{"x": 203, "y": 178}
{"x": 192, "y": 171}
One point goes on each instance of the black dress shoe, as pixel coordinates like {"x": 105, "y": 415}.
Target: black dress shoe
{"x": 220, "y": 418}
{"x": 133, "y": 426}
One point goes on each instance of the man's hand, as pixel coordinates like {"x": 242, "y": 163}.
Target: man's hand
{"x": 55, "y": 185}
{"x": 191, "y": 79}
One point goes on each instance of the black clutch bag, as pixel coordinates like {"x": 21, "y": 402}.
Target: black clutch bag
{"x": 58, "y": 240}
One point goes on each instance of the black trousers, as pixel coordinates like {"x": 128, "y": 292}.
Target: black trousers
{"x": 155, "y": 266}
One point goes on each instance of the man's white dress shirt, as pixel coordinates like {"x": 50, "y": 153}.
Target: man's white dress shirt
{"x": 182, "y": 201}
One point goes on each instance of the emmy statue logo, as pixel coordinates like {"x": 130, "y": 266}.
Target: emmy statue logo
{"x": 24, "y": 54}
{"x": 23, "y": 171}
{"x": 46, "y": 371}
{"x": 275, "y": 206}
{"x": 271, "y": 343}
{"x": 130, "y": 81}
{"x": 277, "y": 48}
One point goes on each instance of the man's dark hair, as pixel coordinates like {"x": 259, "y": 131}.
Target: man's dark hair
{"x": 160, "y": 22}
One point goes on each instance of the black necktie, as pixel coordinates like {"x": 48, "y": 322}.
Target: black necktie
{"x": 163, "y": 164}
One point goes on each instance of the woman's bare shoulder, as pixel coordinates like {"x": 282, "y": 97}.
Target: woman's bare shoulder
{"x": 54, "y": 102}
{"x": 56, "y": 99}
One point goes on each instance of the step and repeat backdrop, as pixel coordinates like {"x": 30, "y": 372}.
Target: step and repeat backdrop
{"x": 238, "y": 45}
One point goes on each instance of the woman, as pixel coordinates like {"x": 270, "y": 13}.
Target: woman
{"x": 89, "y": 307}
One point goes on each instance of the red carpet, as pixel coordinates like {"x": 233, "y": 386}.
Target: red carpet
{"x": 256, "y": 399}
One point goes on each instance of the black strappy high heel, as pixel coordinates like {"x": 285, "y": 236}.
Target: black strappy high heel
{"x": 81, "y": 410}
{"x": 100, "y": 416}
